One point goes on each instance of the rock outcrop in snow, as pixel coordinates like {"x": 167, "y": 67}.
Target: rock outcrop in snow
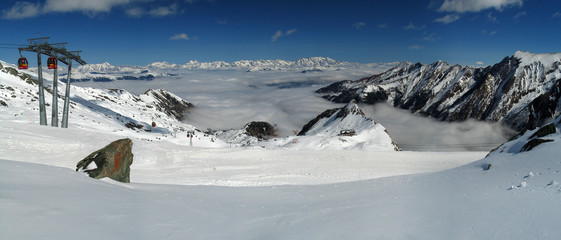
{"x": 168, "y": 103}
{"x": 532, "y": 139}
{"x": 112, "y": 161}
{"x": 252, "y": 133}
{"x": 260, "y": 130}
{"x": 521, "y": 91}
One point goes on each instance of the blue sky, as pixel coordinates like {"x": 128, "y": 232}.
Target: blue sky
{"x": 139, "y": 32}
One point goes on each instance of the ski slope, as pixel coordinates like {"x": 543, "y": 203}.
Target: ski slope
{"x": 169, "y": 162}
{"x": 178, "y": 192}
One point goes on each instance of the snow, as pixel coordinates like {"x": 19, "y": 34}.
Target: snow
{"x": 267, "y": 191}
{"x": 167, "y": 162}
{"x": 547, "y": 59}
{"x": 48, "y": 201}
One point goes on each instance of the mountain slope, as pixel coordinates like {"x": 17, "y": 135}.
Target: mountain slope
{"x": 526, "y": 141}
{"x": 100, "y": 109}
{"x": 521, "y": 91}
{"x": 347, "y": 128}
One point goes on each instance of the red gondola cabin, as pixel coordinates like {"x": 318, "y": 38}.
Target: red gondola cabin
{"x": 51, "y": 63}
{"x": 22, "y": 63}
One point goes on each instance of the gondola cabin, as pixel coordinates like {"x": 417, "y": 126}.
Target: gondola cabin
{"x": 51, "y": 63}
{"x": 22, "y": 63}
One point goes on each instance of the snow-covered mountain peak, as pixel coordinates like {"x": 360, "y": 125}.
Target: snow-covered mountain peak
{"x": 547, "y": 59}
{"x": 350, "y": 109}
{"x": 316, "y": 62}
{"x": 97, "y": 67}
{"x": 161, "y": 65}
{"x": 347, "y": 128}
{"x": 439, "y": 64}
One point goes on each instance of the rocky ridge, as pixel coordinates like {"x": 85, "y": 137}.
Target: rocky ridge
{"x": 521, "y": 91}
{"x": 348, "y": 125}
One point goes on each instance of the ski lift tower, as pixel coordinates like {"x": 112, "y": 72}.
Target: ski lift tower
{"x": 58, "y": 52}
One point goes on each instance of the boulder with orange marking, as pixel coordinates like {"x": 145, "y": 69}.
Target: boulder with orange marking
{"x": 112, "y": 161}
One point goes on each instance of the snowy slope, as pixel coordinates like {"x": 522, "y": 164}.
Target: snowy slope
{"x": 346, "y": 128}
{"x": 519, "y": 197}
{"x": 112, "y": 110}
{"x": 531, "y": 139}
{"x": 521, "y": 91}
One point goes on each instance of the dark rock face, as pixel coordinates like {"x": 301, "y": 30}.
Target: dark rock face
{"x": 534, "y": 143}
{"x": 528, "y": 140}
{"x": 536, "y": 138}
{"x": 113, "y": 161}
{"x": 545, "y": 130}
{"x": 350, "y": 109}
{"x": 169, "y": 104}
{"x": 310, "y": 124}
{"x": 260, "y": 130}
{"x": 520, "y": 91}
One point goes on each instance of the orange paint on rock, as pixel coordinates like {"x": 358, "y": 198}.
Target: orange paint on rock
{"x": 117, "y": 161}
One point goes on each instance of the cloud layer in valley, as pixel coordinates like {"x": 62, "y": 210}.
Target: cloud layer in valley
{"x": 421, "y": 133}
{"x": 227, "y": 99}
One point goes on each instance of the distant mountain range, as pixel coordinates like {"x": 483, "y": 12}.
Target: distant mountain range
{"x": 522, "y": 91}
{"x": 255, "y": 65}
{"x": 105, "y": 72}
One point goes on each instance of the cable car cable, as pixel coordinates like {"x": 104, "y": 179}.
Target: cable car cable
{"x": 13, "y": 44}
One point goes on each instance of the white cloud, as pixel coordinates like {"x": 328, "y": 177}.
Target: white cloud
{"x": 179, "y": 36}
{"x": 89, "y": 7}
{"x": 291, "y": 31}
{"x": 281, "y": 33}
{"x": 383, "y": 26}
{"x": 416, "y": 132}
{"x": 461, "y": 6}
{"x": 22, "y": 10}
{"x": 431, "y": 38}
{"x": 359, "y": 25}
{"x": 135, "y": 12}
{"x": 492, "y": 18}
{"x": 163, "y": 11}
{"x": 277, "y": 35}
{"x": 412, "y": 26}
{"x": 416, "y": 47}
{"x": 556, "y": 15}
{"x": 86, "y": 6}
{"x": 479, "y": 63}
{"x": 520, "y": 14}
{"x": 450, "y": 18}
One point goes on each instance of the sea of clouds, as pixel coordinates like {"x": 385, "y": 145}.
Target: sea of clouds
{"x": 229, "y": 99}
